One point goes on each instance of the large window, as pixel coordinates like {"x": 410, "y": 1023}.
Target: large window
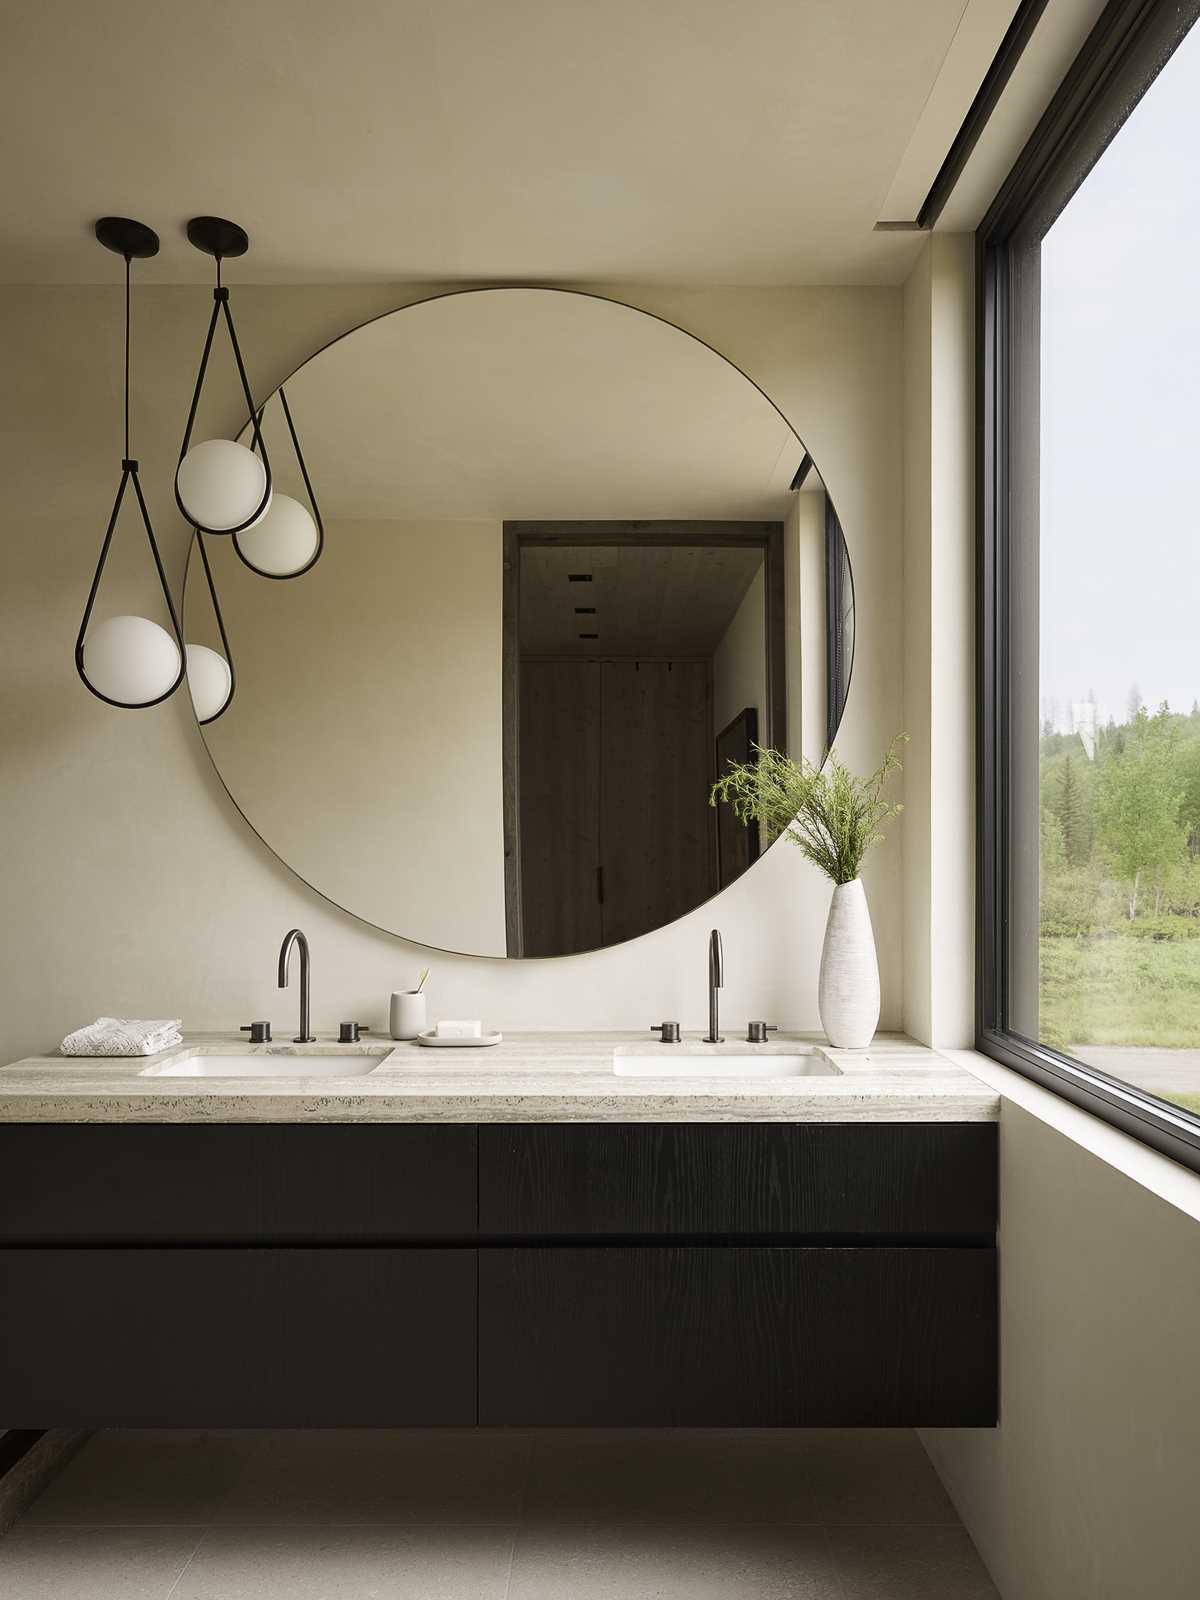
{"x": 1090, "y": 574}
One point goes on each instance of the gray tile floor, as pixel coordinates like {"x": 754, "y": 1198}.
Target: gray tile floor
{"x": 447, "y": 1515}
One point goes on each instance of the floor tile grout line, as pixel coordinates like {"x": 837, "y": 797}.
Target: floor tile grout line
{"x": 512, "y": 1556}
{"x": 835, "y": 1565}
{"x": 522, "y": 1498}
{"x": 502, "y": 1521}
{"x": 179, "y": 1576}
{"x": 94, "y": 1523}
{"x": 254, "y": 1450}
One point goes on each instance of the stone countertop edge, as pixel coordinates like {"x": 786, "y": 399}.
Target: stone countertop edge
{"x": 529, "y": 1077}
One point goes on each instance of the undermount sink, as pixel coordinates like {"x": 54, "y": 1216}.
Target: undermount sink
{"x": 279, "y": 1065}
{"x": 674, "y": 1061}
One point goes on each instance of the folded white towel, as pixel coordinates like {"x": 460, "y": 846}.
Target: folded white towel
{"x": 122, "y": 1036}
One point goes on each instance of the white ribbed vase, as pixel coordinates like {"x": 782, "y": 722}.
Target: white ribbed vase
{"x": 848, "y": 990}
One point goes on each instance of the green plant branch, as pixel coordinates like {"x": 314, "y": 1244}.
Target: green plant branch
{"x": 832, "y": 815}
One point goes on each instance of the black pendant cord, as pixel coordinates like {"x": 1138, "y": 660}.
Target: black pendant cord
{"x": 216, "y": 605}
{"x": 129, "y": 238}
{"x": 284, "y": 577}
{"x": 128, "y": 319}
{"x": 221, "y": 305}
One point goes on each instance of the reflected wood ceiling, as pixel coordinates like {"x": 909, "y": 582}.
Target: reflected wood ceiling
{"x": 648, "y": 600}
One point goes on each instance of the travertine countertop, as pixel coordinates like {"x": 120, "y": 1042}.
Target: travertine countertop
{"x": 530, "y": 1077}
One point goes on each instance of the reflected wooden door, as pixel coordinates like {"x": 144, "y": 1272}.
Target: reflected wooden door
{"x": 617, "y": 836}
{"x": 656, "y": 825}
{"x": 560, "y": 806}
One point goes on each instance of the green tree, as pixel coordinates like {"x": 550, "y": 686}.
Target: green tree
{"x": 1139, "y": 796}
{"x": 1189, "y": 811}
{"x": 1053, "y": 849}
{"x": 1074, "y": 815}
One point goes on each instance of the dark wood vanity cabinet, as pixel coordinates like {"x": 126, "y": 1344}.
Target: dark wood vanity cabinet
{"x": 235, "y": 1183}
{"x": 237, "y": 1337}
{"x": 521, "y": 1274}
{"x": 736, "y": 1336}
{"x": 848, "y": 1181}
{"x": 237, "y": 1275}
{"x": 745, "y": 1274}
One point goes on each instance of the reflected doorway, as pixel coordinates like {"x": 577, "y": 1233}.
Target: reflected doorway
{"x": 630, "y": 651}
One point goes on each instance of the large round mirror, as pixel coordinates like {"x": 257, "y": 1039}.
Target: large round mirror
{"x": 574, "y": 563}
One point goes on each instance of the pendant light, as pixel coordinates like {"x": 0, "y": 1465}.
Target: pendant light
{"x": 222, "y": 486}
{"x": 129, "y": 661}
{"x": 287, "y": 541}
{"x": 210, "y": 675}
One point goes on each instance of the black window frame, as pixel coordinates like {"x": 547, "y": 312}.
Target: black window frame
{"x": 1129, "y": 45}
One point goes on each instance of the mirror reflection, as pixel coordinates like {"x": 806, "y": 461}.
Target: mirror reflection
{"x": 575, "y": 561}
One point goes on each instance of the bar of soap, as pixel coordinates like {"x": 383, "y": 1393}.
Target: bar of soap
{"x": 459, "y": 1030}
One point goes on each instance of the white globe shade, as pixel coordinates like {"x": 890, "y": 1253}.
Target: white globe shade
{"x": 282, "y": 542}
{"x": 221, "y": 484}
{"x": 209, "y": 680}
{"x": 130, "y": 659}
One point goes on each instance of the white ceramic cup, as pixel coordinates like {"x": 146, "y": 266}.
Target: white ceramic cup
{"x": 407, "y": 1014}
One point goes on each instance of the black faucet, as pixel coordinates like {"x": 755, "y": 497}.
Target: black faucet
{"x": 296, "y": 937}
{"x": 716, "y": 980}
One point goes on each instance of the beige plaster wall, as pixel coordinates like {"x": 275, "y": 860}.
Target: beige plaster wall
{"x": 804, "y": 568}
{"x": 1088, "y": 1486}
{"x": 939, "y": 663}
{"x": 383, "y": 664}
{"x": 740, "y": 662}
{"x": 131, "y": 884}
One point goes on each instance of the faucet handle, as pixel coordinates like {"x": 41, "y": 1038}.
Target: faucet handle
{"x": 756, "y": 1032}
{"x": 668, "y": 1030}
{"x": 348, "y": 1032}
{"x": 260, "y": 1032}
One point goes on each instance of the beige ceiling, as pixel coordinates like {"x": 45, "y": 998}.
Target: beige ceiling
{"x": 719, "y": 141}
{"x": 518, "y": 404}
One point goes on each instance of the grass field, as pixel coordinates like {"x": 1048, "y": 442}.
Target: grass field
{"x": 1121, "y": 990}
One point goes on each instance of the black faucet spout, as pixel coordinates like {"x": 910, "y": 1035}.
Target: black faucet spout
{"x": 296, "y": 937}
{"x": 716, "y": 981}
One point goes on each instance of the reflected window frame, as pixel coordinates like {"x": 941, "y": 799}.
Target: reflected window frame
{"x": 839, "y": 624}
{"x": 1123, "y": 55}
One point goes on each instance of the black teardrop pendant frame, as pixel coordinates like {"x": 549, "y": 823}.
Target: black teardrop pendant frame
{"x": 217, "y": 237}
{"x": 284, "y": 577}
{"x": 134, "y": 241}
{"x": 216, "y": 605}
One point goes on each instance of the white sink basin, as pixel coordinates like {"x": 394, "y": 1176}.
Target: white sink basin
{"x": 673, "y": 1061}
{"x": 265, "y": 1066}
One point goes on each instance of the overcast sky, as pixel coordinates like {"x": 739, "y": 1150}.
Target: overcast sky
{"x": 1120, "y": 462}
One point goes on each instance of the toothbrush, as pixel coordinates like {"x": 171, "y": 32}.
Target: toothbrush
{"x": 424, "y": 975}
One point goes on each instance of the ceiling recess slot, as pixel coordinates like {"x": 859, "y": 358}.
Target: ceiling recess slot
{"x": 585, "y": 611}
{"x": 579, "y": 577}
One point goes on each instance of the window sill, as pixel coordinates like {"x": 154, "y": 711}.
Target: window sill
{"x": 1163, "y": 1177}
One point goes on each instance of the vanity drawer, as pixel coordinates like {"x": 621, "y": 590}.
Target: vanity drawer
{"x": 878, "y": 1181}
{"x": 737, "y": 1337}
{"x": 234, "y": 1182}
{"x": 237, "y": 1337}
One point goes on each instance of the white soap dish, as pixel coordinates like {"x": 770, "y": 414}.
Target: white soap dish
{"x": 430, "y": 1038}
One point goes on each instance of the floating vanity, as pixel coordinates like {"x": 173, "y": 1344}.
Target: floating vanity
{"x": 579, "y": 1230}
{"x": 549, "y": 1236}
